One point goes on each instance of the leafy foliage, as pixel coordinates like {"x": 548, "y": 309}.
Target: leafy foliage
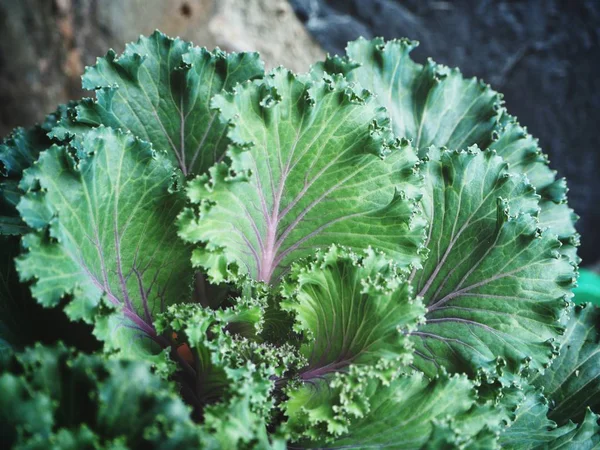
{"x": 160, "y": 89}
{"x": 351, "y": 310}
{"x": 572, "y": 382}
{"x": 435, "y": 105}
{"x": 359, "y": 410}
{"x": 311, "y": 163}
{"x": 54, "y": 398}
{"x": 374, "y": 254}
{"x": 532, "y": 429}
{"x": 488, "y": 261}
{"x": 109, "y": 207}
{"x": 23, "y": 321}
{"x": 18, "y": 152}
{"x": 230, "y": 377}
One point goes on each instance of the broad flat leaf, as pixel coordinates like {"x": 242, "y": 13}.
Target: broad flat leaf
{"x": 160, "y": 89}
{"x": 572, "y": 383}
{"x": 533, "y": 430}
{"x": 111, "y": 235}
{"x": 359, "y": 410}
{"x": 494, "y": 284}
{"x": 351, "y": 309}
{"x": 53, "y": 398}
{"x": 311, "y": 163}
{"x": 434, "y": 105}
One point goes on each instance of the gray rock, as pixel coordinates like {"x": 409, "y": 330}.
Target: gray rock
{"x": 45, "y": 44}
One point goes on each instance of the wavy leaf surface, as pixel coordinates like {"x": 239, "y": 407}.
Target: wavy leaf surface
{"x": 434, "y": 105}
{"x": 572, "y": 383}
{"x": 533, "y": 430}
{"x": 53, "y": 398}
{"x": 111, "y": 234}
{"x": 430, "y": 104}
{"x": 230, "y": 378}
{"x": 361, "y": 410}
{"x": 351, "y": 309}
{"x": 18, "y": 152}
{"x": 160, "y": 90}
{"x": 311, "y": 163}
{"x": 495, "y": 285}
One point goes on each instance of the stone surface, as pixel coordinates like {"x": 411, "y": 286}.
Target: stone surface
{"x": 543, "y": 55}
{"x": 45, "y": 44}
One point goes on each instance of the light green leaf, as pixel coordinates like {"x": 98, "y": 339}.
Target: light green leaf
{"x": 533, "y": 430}
{"x": 234, "y": 423}
{"x": 160, "y": 89}
{"x": 360, "y": 410}
{"x": 494, "y": 284}
{"x": 111, "y": 235}
{"x": 311, "y": 164}
{"x": 572, "y": 383}
{"x": 351, "y": 309}
{"x": 522, "y": 152}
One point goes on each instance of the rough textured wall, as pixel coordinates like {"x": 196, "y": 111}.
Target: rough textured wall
{"x": 45, "y": 44}
{"x": 543, "y": 55}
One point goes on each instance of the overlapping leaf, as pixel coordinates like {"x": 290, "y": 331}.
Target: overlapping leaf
{"x": 23, "y": 321}
{"x": 434, "y": 105}
{"x": 533, "y": 430}
{"x": 111, "y": 234}
{"x": 361, "y": 410}
{"x": 231, "y": 377}
{"x": 54, "y": 399}
{"x": 18, "y": 152}
{"x": 160, "y": 89}
{"x": 429, "y": 104}
{"x": 351, "y": 309}
{"x": 572, "y": 383}
{"x": 494, "y": 284}
{"x": 312, "y": 163}
{"x": 286, "y": 167}
{"x": 523, "y": 154}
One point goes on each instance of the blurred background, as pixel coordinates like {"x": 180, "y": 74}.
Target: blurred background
{"x": 543, "y": 55}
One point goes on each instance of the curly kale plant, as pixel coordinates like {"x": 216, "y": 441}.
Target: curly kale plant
{"x": 373, "y": 254}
